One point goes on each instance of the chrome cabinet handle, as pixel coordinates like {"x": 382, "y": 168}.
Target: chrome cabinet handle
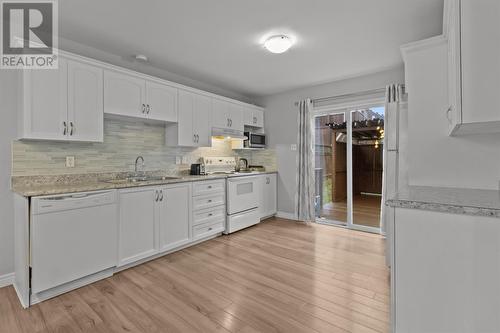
{"x": 268, "y": 180}
{"x": 194, "y": 137}
{"x": 157, "y": 195}
{"x": 209, "y": 200}
{"x": 209, "y": 186}
{"x": 230, "y": 122}
{"x": 210, "y": 228}
{"x": 72, "y": 128}
{"x": 210, "y": 214}
{"x": 227, "y": 122}
{"x": 161, "y": 193}
{"x": 65, "y": 129}
{"x": 448, "y": 113}
{"x": 143, "y": 108}
{"x": 148, "y": 109}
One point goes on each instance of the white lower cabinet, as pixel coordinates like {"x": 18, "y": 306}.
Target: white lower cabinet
{"x": 138, "y": 224}
{"x": 445, "y": 272}
{"x": 268, "y": 195}
{"x": 174, "y": 215}
{"x": 209, "y": 208}
{"x": 154, "y": 220}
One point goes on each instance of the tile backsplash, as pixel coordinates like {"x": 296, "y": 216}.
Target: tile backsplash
{"x": 124, "y": 140}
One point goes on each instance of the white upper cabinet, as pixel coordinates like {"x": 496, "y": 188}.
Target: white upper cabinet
{"x": 253, "y": 117}
{"x": 124, "y": 95}
{"x": 161, "y": 102}
{"x": 473, "y": 32}
{"x": 45, "y": 103}
{"x": 85, "y": 102}
{"x": 227, "y": 115}
{"x": 132, "y": 96}
{"x": 193, "y": 127}
{"x": 64, "y": 104}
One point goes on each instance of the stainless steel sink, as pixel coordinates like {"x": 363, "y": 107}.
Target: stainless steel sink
{"x": 138, "y": 179}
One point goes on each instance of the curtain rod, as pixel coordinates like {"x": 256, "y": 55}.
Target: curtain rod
{"x": 357, "y": 94}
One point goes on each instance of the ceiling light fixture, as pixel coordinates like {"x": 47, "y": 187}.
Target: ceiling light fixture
{"x": 278, "y": 43}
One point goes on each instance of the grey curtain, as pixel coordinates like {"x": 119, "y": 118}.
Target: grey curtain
{"x": 305, "y": 164}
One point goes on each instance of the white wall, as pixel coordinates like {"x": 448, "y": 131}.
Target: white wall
{"x": 436, "y": 159}
{"x": 8, "y": 108}
{"x": 281, "y": 123}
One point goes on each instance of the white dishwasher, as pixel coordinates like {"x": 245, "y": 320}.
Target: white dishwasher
{"x": 72, "y": 236}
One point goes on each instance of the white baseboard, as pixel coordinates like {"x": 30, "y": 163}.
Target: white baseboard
{"x": 285, "y": 215}
{"x": 6, "y": 280}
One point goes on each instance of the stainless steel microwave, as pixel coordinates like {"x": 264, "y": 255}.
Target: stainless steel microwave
{"x": 254, "y": 140}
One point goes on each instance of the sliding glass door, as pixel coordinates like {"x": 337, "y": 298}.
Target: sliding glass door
{"x": 331, "y": 168}
{"x": 349, "y": 166}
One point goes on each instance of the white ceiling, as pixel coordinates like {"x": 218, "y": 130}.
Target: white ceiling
{"x": 218, "y": 41}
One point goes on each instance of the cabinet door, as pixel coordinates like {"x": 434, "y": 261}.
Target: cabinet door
{"x": 268, "y": 195}
{"x": 248, "y": 118}
{"x": 124, "y": 95}
{"x": 45, "y": 112}
{"x": 454, "y": 112}
{"x": 220, "y": 114}
{"x": 182, "y": 133}
{"x": 480, "y": 45}
{"x": 258, "y": 118}
{"x": 161, "y": 102}
{"x": 137, "y": 225}
{"x": 201, "y": 120}
{"x": 85, "y": 102}
{"x": 175, "y": 216}
{"x": 235, "y": 115}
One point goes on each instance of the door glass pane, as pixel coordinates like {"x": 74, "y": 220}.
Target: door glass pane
{"x": 331, "y": 168}
{"x": 367, "y": 165}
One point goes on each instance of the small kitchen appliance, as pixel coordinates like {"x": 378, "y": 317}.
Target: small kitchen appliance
{"x": 254, "y": 140}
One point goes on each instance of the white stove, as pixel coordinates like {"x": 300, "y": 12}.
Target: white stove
{"x": 221, "y": 165}
{"x": 242, "y": 199}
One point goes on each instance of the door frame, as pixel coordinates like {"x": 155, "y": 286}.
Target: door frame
{"x": 347, "y": 108}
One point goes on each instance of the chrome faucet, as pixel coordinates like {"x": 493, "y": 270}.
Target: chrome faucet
{"x": 142, "y": 164}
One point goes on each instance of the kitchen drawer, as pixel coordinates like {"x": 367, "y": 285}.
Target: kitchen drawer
{"x": 208, "y": 201}
{"x": 209, "y": 187}
{"x": 208, "y": 229}
{"x": 207, "y": 215}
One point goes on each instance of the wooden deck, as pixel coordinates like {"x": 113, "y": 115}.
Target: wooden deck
{"x": 366, "y": 211}
{"x": 279, "y": 276}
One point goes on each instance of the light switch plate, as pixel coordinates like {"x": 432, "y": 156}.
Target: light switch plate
{"x": 178, "y": 160}
{"x": 70, "y": 161}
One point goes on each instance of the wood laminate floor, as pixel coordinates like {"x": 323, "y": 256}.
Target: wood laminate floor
{"x": 365, "y": 210}
{"x": 278, "y": 276}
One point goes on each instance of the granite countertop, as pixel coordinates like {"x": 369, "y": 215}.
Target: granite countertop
{"x": 53, "y": 185}
{"x": 449, "y": 200}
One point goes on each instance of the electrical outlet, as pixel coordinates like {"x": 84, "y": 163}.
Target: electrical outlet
{"x": 178, "y": 160}
{"x": 185, "y": 160}
{"x": 70, "y": 161}
{"x": 293, "y": 147}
